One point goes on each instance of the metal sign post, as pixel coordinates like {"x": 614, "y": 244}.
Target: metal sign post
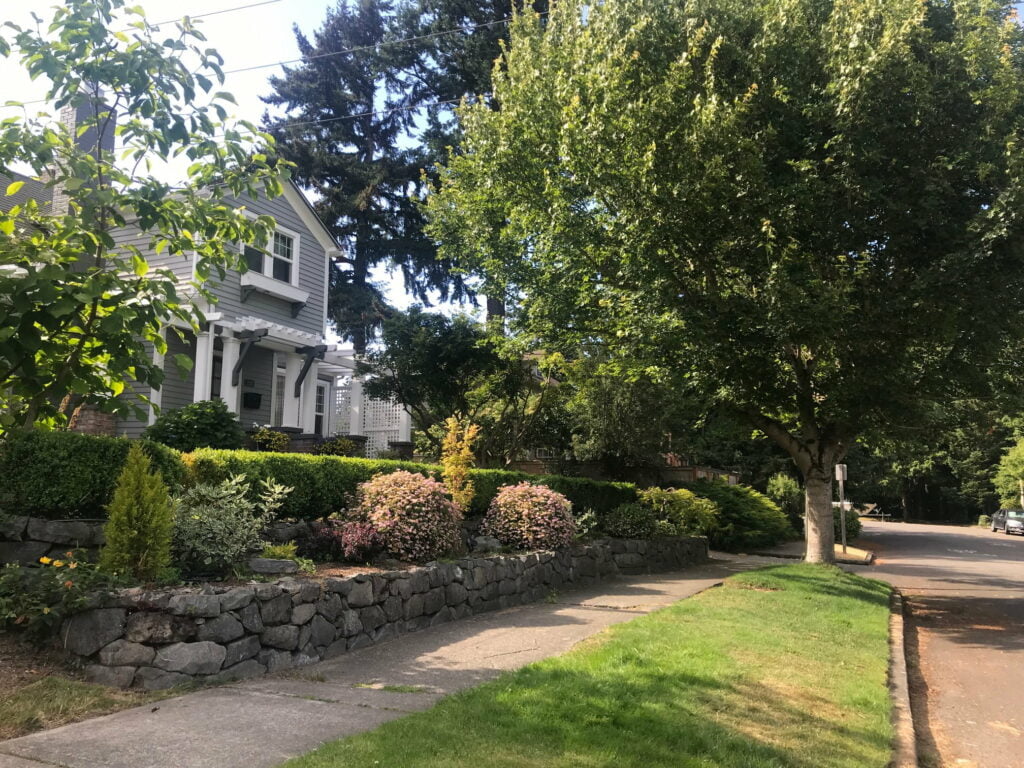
{"x": 841, "y": 477}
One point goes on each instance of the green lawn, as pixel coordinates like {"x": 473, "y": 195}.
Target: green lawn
{"x": 780, "y": 667}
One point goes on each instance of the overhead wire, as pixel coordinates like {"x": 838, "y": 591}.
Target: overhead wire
{"x": 316, "y": 57}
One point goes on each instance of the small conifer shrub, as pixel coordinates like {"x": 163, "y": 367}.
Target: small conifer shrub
{"x": 140, "y": 519}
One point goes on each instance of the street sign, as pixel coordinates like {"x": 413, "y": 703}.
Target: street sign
{"x": 841, "y": 473}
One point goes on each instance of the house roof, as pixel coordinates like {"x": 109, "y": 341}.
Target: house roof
{"x": 33, "y": 189}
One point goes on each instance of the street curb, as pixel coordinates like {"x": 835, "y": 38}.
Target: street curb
{"x": 904, "y": 735}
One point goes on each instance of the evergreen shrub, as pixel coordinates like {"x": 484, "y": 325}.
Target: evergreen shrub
{"x": 139, "y": 522}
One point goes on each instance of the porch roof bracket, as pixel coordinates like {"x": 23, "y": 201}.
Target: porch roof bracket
{"x": 311, "y": 354}
{"x": 248, "y": 338}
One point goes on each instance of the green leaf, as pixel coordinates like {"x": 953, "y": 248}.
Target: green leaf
{"x": 140, "y": 265}
{"x": 14, "y": 186}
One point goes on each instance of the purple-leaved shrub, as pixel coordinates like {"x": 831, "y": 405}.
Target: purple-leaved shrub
{"x": 529, "y": 516}
{"x": 411, "y": 514}
{"x": 359, "y": 540}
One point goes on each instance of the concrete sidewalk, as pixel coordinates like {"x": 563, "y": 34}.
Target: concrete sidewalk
{"x": 260, "y": 723}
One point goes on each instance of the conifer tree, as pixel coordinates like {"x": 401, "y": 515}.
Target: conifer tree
{"x": 348, "y": 114}
{"x": 139, "y": 521}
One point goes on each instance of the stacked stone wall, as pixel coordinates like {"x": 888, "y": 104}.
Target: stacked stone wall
{"x": 158, "y": 639}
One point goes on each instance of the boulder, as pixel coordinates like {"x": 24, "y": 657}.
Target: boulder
{"x": 205, "y": 606}
{"x": 267, "y": 591}
{"x": 285, "y": 637}
{"x": 75, "y": 533}
{"x": 361, "y": 595}
{"x": 339, "y": 586}
{"x": 235, "y": 599}
{"x": 222, "y": 629}
{"x": 275, "y": 661}
{"x": 152, "y": 679}
{"x": 322, "y": 631}
{"x": 455, "y": 593}
{"x": 243, "y": 670}
{"x": 24, "y": 552}
{"x": 240, "y": 650}
{"x": 123, "y": 653}
{"x": 350, "y": 624}
{"x": 158, "y": 628}
{"x": 276, "y": 611}
{"x": 302, "y": 613}
{"x": 87, "y": 632}
{"x": 12, "y": 527}
{"x": 267, "y": 565}
{"x": 329, "y": 607}
{"x": 251, "y": 619}
{"x": 372, "y": 617}
{"x": 199, "y": 658}
{"x": 115, "y": 677}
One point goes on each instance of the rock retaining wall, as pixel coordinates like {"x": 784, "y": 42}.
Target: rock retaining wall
{"x": 158, "y": 639}
{"x": 26, "y": 539}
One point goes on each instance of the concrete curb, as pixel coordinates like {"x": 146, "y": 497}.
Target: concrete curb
{"x": 904, "y": 735}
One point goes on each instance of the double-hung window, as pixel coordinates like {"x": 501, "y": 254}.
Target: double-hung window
{"x": 277, "y": 262}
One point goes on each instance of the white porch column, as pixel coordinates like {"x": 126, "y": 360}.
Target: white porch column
{"x": 156, "y": 395}
{"x": 228, "y": 392}
{"x": 204, "y": 365}
{"x": 292, "y": 367}
{"x": 309, "y": 399}
{"x": 404, "y": 425}
{"x": 355, "y": 407}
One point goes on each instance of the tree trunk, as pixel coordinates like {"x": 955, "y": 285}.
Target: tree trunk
{"x": 818, "y": 514}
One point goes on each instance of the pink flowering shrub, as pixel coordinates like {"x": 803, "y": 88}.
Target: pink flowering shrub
{"x": 529, "y": 516}
{"x": 413, "y": 517}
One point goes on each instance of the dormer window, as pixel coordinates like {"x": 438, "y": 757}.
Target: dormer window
{"x": 278, "y": 261}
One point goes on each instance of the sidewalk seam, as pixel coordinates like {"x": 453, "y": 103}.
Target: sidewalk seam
{"x": 904, "y": 733}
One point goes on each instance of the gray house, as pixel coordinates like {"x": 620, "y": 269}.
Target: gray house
{"x": 262, "y": 348}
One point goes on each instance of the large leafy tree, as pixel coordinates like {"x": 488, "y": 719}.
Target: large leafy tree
{"x": 346, "y": 128}
{"x": 77, "y": 304}
{"x": 810, "y": 210}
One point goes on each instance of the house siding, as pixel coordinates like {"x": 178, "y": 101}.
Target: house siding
{"x": 312, "y": 273}
{"x": 179, "y": 264}
{"x": 177, "y": 391}
{"x": 130, "y": 426}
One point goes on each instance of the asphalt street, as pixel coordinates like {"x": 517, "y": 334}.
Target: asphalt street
{"x": 964, "y": 589}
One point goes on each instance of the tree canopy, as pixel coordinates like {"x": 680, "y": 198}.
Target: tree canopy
{"x": 808, "y": 211}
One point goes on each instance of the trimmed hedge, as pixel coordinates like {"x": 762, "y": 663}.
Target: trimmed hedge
{"x": 67, "y": 475}
{"x": 326, "y": 484}
{"x": 321, "y": 485}
{"x": 59, "y": 475}
{"x": 746, "y": 519}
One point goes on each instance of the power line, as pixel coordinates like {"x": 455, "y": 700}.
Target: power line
{"x": 342, "y": 52}
{"x": 214, "y": 13}
{"x": 376, "y": 46}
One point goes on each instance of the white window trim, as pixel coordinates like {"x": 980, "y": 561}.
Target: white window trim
{"x": 272, "y": 287}
{"x": 268, "y": 256}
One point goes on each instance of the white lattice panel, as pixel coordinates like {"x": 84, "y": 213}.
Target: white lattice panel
{"x": 380, "y": 418}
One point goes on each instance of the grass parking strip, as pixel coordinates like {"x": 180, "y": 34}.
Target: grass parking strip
{"x": 784, "y": 666}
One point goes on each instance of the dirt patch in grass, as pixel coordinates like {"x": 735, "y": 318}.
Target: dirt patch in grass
{"x": 38, "y": 691}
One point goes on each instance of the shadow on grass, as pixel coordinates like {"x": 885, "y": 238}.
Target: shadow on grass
{"x": 550, "y": 715}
